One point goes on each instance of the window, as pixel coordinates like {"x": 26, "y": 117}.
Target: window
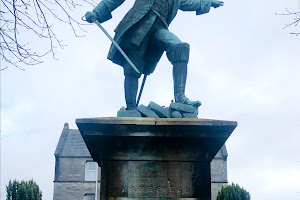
{"x": 89, "y": 197}
{"x": 91, "y": 171}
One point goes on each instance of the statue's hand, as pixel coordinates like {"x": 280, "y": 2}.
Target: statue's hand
{"x": 90, "y": 17}
{"x": 216, "y": 3}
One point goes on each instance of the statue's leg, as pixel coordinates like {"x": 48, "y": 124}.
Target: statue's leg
{"x": 178, "y": 55}
{"x": 135, "y": 54}
{"x": 130, "y": 86}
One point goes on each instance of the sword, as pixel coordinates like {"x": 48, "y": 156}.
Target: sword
{"x": 141, "y": 90}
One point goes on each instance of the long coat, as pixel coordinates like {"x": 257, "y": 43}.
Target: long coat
{"x": 136, "y": 13}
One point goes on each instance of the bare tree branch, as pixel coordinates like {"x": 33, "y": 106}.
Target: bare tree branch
{"x": 295, "y": 20}
{"x": 35, "y": 19}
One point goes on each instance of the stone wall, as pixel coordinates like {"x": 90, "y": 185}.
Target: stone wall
{"x": 69, "y": 180}
{"x": 70, "y": 168}
{"x": 215, "y": 187}
{"x": 73, "y": 190}
{"x": 218, "y": 175}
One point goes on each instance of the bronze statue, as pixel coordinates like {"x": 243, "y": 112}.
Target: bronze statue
{"x": 143, "y": 34}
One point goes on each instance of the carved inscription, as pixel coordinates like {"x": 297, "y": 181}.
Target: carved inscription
{"x": 155, "y": 180}
{"x": 159, "y": 189}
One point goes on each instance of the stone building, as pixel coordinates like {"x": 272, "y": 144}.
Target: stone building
{"x": 75, "y": 171}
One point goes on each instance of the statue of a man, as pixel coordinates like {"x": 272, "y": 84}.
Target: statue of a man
{"x": 143, "y": 34}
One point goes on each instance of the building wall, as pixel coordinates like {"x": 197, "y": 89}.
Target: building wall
{"x": 69, "y": 180}
{"x": 70, "y": 168}
{"x": 215, "y": 187}
{"x": 218, "y": 168}
{"x": 73, "y": 190}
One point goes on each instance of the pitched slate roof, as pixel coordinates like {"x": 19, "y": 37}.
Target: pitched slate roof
{"x": 71, "y": 144}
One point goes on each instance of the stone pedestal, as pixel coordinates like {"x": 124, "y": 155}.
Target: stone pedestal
{"x": 149, "y": 158}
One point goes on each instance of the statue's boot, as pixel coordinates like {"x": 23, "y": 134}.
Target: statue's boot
{"x": 130, "y": 88}
{"x": 178, "y": 55}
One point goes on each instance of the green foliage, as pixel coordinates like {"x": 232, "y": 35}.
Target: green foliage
{"x": 24, "y": 190}
{"x": 233, "y": 192}
{"x": 11, "y": 190}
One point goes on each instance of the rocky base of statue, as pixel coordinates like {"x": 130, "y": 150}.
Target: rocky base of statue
{"x": 153, "y": 110}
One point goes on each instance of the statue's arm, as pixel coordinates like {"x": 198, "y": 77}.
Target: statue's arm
{"x": 104, "y": 8}
{"x": 200, "y": 6}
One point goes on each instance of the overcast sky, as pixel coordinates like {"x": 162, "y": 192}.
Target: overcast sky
{"x": 243, "y": 67}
